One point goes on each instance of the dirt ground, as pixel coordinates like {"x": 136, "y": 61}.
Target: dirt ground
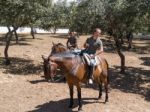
{"x": 23, "y": 89}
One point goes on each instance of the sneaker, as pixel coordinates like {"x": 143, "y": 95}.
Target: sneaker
{"x": 90, "y": 81}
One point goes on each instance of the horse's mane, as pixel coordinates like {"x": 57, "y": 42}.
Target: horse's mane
{"x": 66, "y": 54}
{"x": 61, "y": 45}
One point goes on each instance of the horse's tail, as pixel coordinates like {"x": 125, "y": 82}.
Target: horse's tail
{"x": 108, "y": 79}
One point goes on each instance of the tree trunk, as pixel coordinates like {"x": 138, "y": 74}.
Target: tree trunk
{"x": 9, "y": 30}
{"x": 16, "y": 35}
{"x": 8, "y": 37}
{"x": 129, "y": 38}
{"x": 32, "y": 32}
{"x": 122, "y": 41}
{"x": 130, "y": 43}
{"x": 54, "y": 30}
{"x": 121, "y": 55}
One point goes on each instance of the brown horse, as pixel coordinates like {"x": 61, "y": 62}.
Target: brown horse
{"x": 76, "y": 71}
{"x": 58, "y": 48}
{"x": 50, "y": 69}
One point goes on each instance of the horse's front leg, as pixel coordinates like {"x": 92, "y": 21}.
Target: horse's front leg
{"x": 71, "y": 95}
{"x": 106, "y": 90}
{"x": 100, "y": 91}
{"x": 53, "y": 73}
{"x": 79, "y": 97}
{"x": 51, "y": 77}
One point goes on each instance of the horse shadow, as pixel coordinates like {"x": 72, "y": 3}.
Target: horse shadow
{"x": 38, "y": 81}
{"x": 58, "y": 79}
{"x": 62, "y": 105}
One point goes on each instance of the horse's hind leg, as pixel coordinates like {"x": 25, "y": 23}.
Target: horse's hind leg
{"x": 71, "y": 95}
{"x": 100, "y": 91}
{"x": 106, "y": 91}
{"x": 79, "y": 97}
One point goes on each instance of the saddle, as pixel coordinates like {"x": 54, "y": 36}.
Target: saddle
{"x": 83, "y": 58}
{"x": 87, "y": 59}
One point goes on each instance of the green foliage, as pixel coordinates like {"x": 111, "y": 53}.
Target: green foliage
{"x": 117, "y": 15}
{"x": 22, "y": 12}
{"x": 82, "y": 16}
{"x": 89, "y": 13}
{"x": 56, "y": 17}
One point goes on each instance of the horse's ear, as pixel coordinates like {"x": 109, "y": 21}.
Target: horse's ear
{"x": 53, "y": 43}
{"x": 48, "y": 59}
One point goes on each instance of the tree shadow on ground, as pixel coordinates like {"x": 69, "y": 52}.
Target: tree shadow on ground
{"x": 62, "y": 105}
{"x": 140, "y": 47}
{"x": 146, "y": 61}
{"x": 23, "y": 40}
{"x": 61, "y": 36}
{"x": 57, "y": 79}
{"x": 28, "y": 39}
{"x": 136, "y": 80}
{"x": 108, "y": 45}
{"x": 137, "y": 47}
{"x": 14, "y": 43}
{"x": 20, "y": 66}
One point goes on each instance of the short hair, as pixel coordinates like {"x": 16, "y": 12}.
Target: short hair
{"x": 97, "y": 29}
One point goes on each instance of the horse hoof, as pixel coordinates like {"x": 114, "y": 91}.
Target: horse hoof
{"x": 49, "y": 81}
{"x": 97, "y": 101}
{"x": 52, "y": 80}
{"x": 80, "y": 109}
{"x": 106, "y": 100}
{"x": 99, "y": 98}
{"x": 70, "y": 106}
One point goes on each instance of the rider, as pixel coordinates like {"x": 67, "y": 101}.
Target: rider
{"x": 93, "y": 46}
{"x": 72, "y": 41}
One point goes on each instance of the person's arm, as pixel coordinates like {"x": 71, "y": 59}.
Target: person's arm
{"x": 76, "y": 43}
{"x": 100, "y": 48}
{"x": 86, "y": 45}
{"x": 67, "y": 42}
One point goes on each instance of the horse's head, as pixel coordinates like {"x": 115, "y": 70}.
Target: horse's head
{"x": 46, "y": 68}
{"x": 58, "y": 48}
